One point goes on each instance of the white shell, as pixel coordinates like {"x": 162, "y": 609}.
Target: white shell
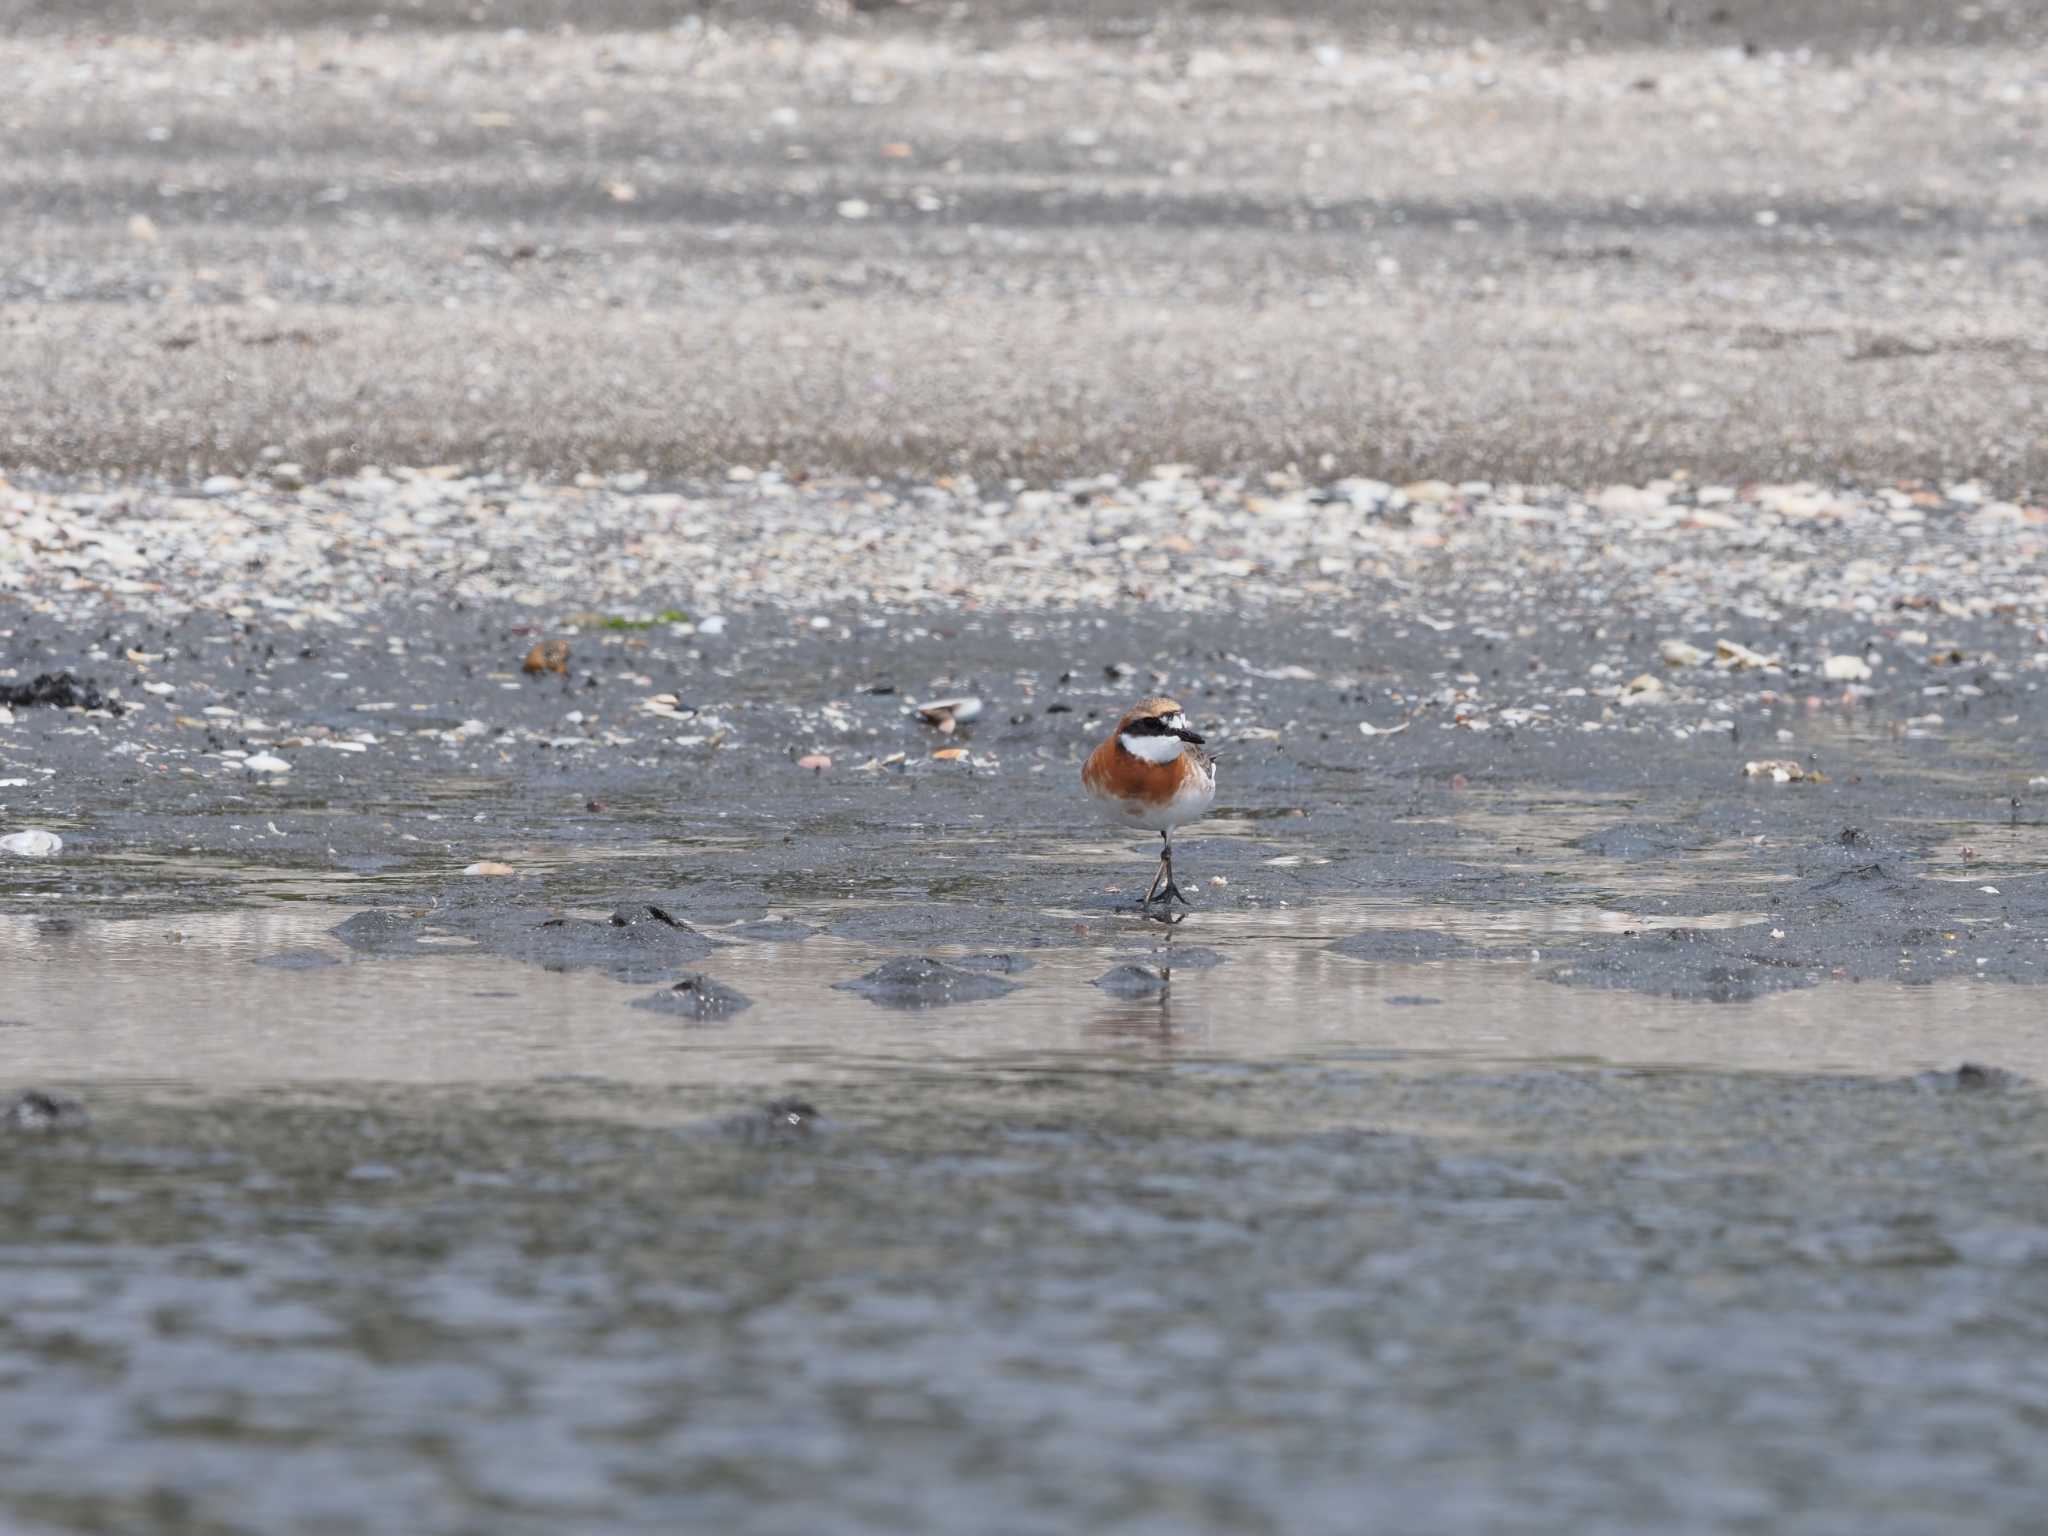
{"x": 963, "y": 709}
{"x": 35, "y": 843}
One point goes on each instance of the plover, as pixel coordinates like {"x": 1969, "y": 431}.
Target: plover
{"x": 1153, "y": 773}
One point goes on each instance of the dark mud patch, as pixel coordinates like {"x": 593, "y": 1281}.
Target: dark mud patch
{"x": 640, "y": 942}
{"x": 1397, "y": 946}
{"x": 637, "y": 943}
{"x": 1731, "y": 966}
{"x": 1970, "y": 1077}
{"x": 297, "y": 960}
{"x": 1641, "y": 840}
{"x": 1859, "y": 910}
{"x": 36, "y": 1113}
{"x": 384, "y": 933}
{"x": 919, "y": 981}
{"x": 967, "y": 921}
{"x": 1414, "y": 1002}
{"x": 1134, "y": 981}
{"x": 696, "y": 996}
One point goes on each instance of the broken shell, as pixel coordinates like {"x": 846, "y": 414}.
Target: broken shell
{"x": 1367, "y": 728}
{"x": 1681, "y": 653}
{"x": 1736, "y": 656}
{"x": 946, "y": 714}
{"x": 1846, "y": 669}
{"x": 488, "y": 867}
{"x": 1779, "y": 770}
{"x": 950, "y": 754}
{"x": 35, "y": 843}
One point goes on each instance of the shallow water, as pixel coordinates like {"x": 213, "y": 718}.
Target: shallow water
{"x": 1305, "y": 1243}
{"x": 185, "y": 1000}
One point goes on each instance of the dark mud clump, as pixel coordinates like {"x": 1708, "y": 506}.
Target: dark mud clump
{"x": 1969, "y": 1077}
{"x": 58, "y": 690}
{"x": 297, "y": 960}
{"x": 1640, "y": 840}
{"x": 36, "y": 1113}
{"x": 919, "y": 981}
{"x": 1133, "y": 981}
{"x": 382, "y": 933}
{"x": 1729, "y": 966}
{"x": 696, "y": 996}
{"x": 637, "y": 943}
{"x": 1859, "y": 912}
{"x": 1398, "y": 945}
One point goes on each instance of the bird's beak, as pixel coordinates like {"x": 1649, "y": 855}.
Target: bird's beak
{"x": 1187, "y": 735}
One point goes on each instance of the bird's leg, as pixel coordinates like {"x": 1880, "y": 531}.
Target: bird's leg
{"x": 1163, "y": 886}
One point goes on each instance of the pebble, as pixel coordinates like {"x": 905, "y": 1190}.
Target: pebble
{"x": 35, "y": 843}
{"x": 265, "y": 762}
{"x": 488, "y": 867}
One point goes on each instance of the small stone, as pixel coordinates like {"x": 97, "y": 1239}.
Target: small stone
{"x": 853, "y": 208}
{"x": 817, "y": 762}
{"x": 35, "y": 843}
{"x": 265, "y": 762}
{"x": 1681, "y": 653}
{"x": 489, "y": 867}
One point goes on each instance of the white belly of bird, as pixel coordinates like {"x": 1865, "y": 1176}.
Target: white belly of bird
{"x": 1197, "y": 793}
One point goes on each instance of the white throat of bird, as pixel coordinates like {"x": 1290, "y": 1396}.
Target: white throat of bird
{"x": 1153, "y": 749}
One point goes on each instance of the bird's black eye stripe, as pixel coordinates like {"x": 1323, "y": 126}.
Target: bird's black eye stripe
{"x": 1151, "y": 725}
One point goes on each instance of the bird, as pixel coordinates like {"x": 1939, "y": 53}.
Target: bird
{"x": 1151, "y": 772}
